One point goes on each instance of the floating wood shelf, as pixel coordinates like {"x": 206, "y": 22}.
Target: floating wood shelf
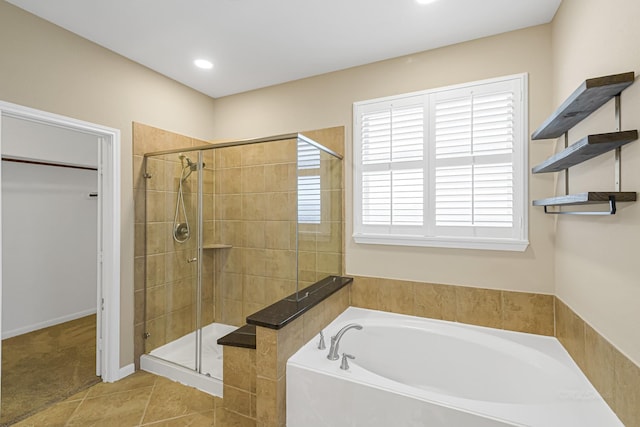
{"x": 217, "y": 246}
{"x": 588, "y": 198}
{"x": 585, "y": 149}
{"x": 591, "y": 95}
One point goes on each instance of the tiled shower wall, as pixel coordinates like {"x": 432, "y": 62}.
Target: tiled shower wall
{"x": 249, "y": 203}
{"x": 171, "y": 280}
{"x": 256, "y": 213}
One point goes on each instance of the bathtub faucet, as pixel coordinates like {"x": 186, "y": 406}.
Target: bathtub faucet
{"x": 335, "y": 340}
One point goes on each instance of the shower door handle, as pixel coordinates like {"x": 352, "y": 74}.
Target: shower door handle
{"x": 192, "y": 260}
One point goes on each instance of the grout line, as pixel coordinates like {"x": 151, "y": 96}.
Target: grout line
{"x": 146, "y": 406}
{"x": 77, "y": 407}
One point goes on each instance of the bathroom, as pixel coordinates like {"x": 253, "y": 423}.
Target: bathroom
{"x": 577, "y": 278}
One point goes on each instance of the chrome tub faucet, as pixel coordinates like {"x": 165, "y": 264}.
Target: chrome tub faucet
{"x": 335, "y": 340}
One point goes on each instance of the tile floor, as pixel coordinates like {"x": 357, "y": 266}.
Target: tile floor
{"x": 141, "y": 399}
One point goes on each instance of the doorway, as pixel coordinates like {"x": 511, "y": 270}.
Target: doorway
{"x": 106, "y": 262}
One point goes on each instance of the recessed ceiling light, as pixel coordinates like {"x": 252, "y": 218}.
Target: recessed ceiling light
{"x": 425, "y": 1}
{"x": 203, "y": 63}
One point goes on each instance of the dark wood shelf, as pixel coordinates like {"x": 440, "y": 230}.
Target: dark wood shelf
{"x": 588, "y": 198}
{"x": 587, "y": 98}
{"x": 585, "y": 149}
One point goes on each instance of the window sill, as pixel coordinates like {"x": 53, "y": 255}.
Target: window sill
{"x": 495, "y": 244}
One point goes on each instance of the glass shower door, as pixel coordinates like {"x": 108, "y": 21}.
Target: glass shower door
{"x": 172, "y": 230}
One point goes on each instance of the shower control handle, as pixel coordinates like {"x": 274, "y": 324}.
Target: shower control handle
{"x": 190, "y": 260}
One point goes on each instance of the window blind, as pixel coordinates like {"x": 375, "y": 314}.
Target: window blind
{"x": 309, "y": 196}
{"x": 473, "y": 147}
{"x": 393, "y": 172}
{"x": 444, "y": 167}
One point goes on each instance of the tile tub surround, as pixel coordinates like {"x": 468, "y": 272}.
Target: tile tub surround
{"x": 615, "y": 376}
{"x": 515, "y": 311}
{"x": 275, "y": 346}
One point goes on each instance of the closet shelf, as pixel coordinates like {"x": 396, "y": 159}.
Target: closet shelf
{"x": 587, "y": 98}
{"x": 588, "y": 198}
{"x": 585, "y": 149}
{"x": 217, "y": 246}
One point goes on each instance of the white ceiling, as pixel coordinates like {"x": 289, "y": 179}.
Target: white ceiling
{"x": 259, "y": 43}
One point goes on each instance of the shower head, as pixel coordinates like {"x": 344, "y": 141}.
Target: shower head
{"x": 191, "y": 165}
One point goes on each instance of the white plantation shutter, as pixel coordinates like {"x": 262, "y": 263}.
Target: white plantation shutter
{"x": 393, "y": 165}
{"x": 473, "y": 139}
{"x": 309, "y": 196}
{"x": 444, "y": 167}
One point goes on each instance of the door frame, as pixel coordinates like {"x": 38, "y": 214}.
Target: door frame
{"x": 108, "y": 262}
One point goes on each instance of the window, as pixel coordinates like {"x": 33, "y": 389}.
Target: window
{"x": 309, "y": 200}
{"x": 444, "y": 167}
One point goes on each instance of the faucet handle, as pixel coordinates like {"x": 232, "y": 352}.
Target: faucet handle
{"x": 345, "y": 363}
{"x": 321, "y": 344}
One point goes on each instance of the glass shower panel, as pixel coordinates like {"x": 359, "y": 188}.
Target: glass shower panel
{"x": 319, "y": 213}
{"x": 172, "y": 227}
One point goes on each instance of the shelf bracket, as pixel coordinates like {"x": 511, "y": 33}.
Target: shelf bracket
{"x": 611, "y": 211}
{"x": 618, "y": 151}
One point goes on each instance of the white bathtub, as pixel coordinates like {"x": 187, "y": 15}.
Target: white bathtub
{"x": 411, "y": 371}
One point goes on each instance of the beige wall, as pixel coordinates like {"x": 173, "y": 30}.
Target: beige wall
{"x": 327, "y": 100}
{"x": 597, "y": 258}
{"x": 51, "y": 69}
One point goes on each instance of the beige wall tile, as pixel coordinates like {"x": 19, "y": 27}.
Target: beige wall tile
{"x": 266, "y": 354}
{"x": 280, "y": 264}
{"x": 232, "y": 312}
{"x": 180, "y": 294}
{"x": 228, "y": 157}
{"x": 255, "y": 289}
{"x": 599, "y": 363}
{"x": 229, "y": 207}
{"x": 435, "y": 301}
{"x": 253, "y": 179}
{"x": 252, "y": 154}
{"x": 526, "y": 312}
{"x": 479, "y": 306}
{"x": 381, "y": 294}
{"x": 271, "y": 402}
{"x": 157, "y": 333}
{"x": 240, "y": 368}
{"x": 627, "y": 390}
{"x": 180, "y": 322}
{"x": 228, "y": 181}
{"x": 138, "y": 172}
{"x": 280, "y": 151}
{"x": 156, "y": 298}
{"x": 276, "y": 234}
{"x": 230, "y": 260}
{"x": 290, "y": 339}
{"x": 254, "y": 261}
{"x": 231, "y": 419}
{"x": 570, "y": 332}
{"x": 236, "y": 400}
{"x": 277, "y": 177}
{"x": 254, "y": 234}
{"x": 277, "y": 207}
{"x": 229, "y": 232}
{"x": 253, "y": 207}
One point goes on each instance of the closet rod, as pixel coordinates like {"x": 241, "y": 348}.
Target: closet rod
{"x": 33, "y": 162}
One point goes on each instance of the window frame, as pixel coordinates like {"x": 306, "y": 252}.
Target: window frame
{"x": 426, "y": 235}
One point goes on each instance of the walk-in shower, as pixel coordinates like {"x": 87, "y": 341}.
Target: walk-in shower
{"x": 231, "y": 228}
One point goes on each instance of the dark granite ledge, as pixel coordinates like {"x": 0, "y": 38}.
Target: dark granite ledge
{"x": 244, "y": 337}
{"x": 288, "y": 309}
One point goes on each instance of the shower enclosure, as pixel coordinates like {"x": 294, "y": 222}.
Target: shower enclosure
{"x": 231, "y": 228}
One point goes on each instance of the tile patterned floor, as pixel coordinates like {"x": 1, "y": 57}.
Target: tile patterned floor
{"x": 141, "y": 399}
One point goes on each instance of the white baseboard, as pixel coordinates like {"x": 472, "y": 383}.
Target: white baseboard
{"x": 125, "y": 371}
{"x": 47, "y": 323}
